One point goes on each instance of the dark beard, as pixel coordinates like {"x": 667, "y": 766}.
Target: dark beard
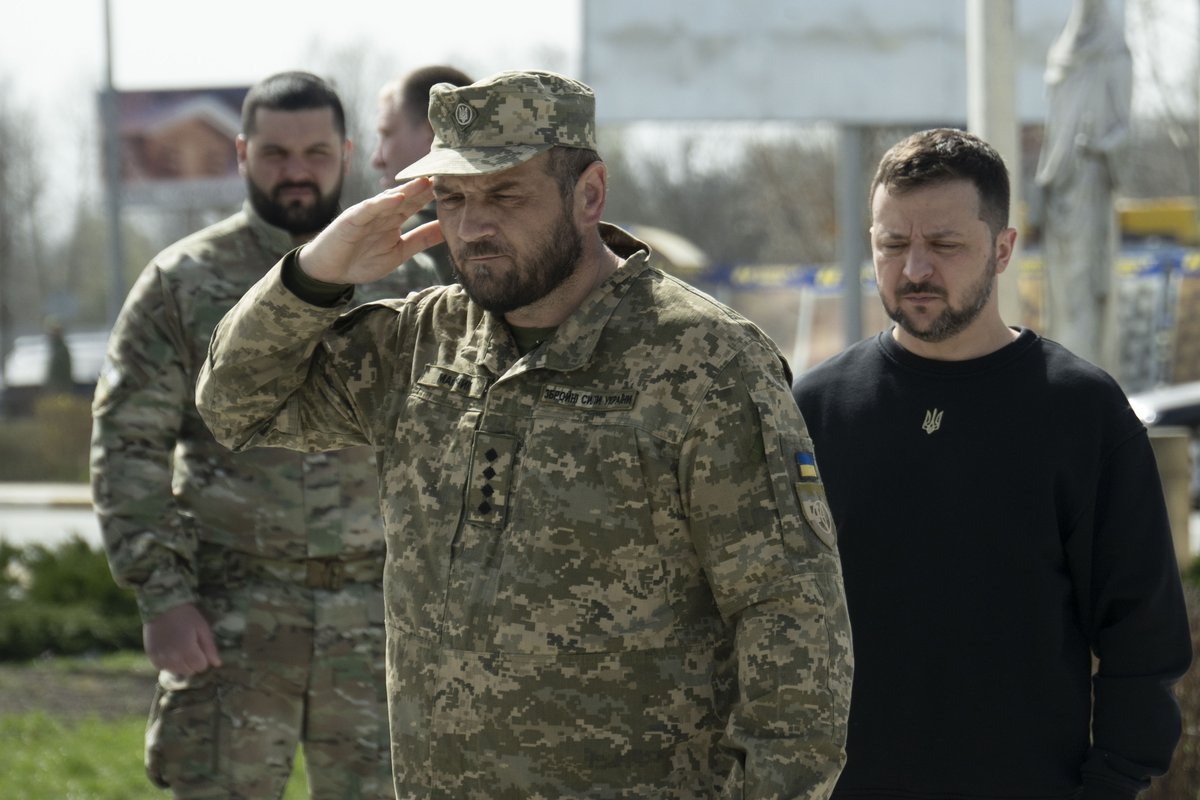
{"x": 951, "y": 321}
{"x": 295, "y": 218}
{"x": 547, "y": 269}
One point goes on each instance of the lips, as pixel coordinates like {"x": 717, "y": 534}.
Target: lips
{"x": 295, "y": 191}
{"x": 920, "y": 293}
{"x": 480, "y": 254}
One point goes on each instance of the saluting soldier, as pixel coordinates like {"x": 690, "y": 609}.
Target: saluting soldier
{"x": 609, "y": 574}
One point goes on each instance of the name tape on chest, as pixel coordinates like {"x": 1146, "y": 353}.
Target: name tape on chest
{"x": 589, "y": 399}
{"x": 447, "y": 380}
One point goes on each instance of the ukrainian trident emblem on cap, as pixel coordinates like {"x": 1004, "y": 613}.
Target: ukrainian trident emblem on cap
{"x": 464, "y": 114}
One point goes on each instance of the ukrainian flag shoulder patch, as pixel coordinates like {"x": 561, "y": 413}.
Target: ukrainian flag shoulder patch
{"x": 807, "y": 464}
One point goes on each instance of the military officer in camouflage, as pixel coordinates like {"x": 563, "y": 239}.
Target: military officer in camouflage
{"x": 258, "y": 574}
{"x": 610, "y": 569}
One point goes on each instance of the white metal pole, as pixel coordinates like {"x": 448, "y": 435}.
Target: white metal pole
{"x": 992, "y": 115}
{"x": 112, "y": 176}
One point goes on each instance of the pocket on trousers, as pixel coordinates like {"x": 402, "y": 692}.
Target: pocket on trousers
{"x": 182, "y": 732}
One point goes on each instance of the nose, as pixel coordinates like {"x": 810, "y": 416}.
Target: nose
{"x": 474, "y": 222}
{"x": 917, "y": 264}
{"x": 296, "y": 167}
{"x": 377, "y": 158}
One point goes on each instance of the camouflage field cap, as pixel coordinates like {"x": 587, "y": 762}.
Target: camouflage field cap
{"x": 504, "y": 120}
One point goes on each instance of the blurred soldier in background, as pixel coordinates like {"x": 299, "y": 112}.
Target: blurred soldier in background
{"x": 258, "y": 575}
{"x": 60, "y": 378}
{"x": 405, "y": 136}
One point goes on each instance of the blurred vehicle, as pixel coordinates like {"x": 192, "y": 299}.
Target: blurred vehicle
{"x": 1174, "y": 406}
{"x": 25, "y": 369}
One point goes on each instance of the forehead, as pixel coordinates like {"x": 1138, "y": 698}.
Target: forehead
{"x": 303, "y": 125}
{"x": 527, "y": 174}
{"x": 946, "y": 205}
{"x": 391, "y": 114}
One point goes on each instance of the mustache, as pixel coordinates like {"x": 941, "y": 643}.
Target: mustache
{"x": 920, "y": 288}
{"x": 477, "y": 249}
{"x": 279, "y": 188}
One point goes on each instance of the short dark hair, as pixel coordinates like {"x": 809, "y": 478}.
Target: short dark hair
{"x": 566, "y": 164}
{"x": 939, "y": 155}
{"x": 291, "y": 91}
{"x": 412, "y": 92}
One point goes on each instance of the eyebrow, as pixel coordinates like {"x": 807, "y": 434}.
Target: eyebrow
{"x": 941, "y": 233}
{"x": 503, "y": 186}
{"x": 499, "y": 186}
{"x": 273, "y": 145}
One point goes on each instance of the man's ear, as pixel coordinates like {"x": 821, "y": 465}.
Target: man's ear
{"x": 591, "y": 192}
{"x": 1006, "y": 240}
{"x": 239, "y": 144}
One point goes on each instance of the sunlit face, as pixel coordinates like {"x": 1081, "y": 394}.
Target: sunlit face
{"x": 512, "y": 236}
{"x": 294, "y": 164}
{"x": 404, "y": 138}
{"x": 935, "y": 260}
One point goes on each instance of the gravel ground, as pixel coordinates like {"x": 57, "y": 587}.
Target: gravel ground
{"x": 75, "y": 691}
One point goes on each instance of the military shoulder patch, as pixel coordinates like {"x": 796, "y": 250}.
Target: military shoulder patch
{"x": 816, "y": 511}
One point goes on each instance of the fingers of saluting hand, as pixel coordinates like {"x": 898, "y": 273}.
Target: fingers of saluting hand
{"x": 391, "y": 207}
{"x": 364, "y": 242}
{"x": 424, "y": 236}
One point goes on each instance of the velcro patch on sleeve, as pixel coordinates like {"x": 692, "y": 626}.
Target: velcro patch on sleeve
{"x": 815, "y": 508}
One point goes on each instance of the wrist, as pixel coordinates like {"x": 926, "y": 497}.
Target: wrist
{"x": 308, "y": 288}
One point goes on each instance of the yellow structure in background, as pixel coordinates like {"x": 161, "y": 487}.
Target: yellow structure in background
{"x": 1171, "y": 218}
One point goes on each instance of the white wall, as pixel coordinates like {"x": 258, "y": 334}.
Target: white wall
{"x": 853, "y": 61}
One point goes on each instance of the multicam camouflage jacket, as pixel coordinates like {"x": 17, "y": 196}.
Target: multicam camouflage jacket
{"x": 611, "y": 571}
{"x": 163, "y": 487}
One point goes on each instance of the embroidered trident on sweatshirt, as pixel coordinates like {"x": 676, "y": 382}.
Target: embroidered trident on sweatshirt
{"x": 933, "y": 420}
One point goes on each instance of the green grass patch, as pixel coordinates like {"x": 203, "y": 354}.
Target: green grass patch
{"x": 51, "y": 445}
{"x": 122, "y": 662}
{"x": 43, "y": 758}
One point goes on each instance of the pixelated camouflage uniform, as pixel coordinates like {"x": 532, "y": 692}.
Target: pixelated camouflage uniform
{"x": 281, "y": 551}
{"x": 608, "y": 575}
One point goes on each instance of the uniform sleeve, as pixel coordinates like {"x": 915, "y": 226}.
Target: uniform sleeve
{"x": 137, "y": 413}
{"x": 1123, "y": 563}
{"x": 762, "y": 527}
{"x": 270, "y": 379}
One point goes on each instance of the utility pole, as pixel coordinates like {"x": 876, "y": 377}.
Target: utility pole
{"x": 850, "y": 250}
{"x": 112, "y": 175}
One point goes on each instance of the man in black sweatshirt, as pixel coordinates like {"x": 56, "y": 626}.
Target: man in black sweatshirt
{"x": 1000, "y": 520}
